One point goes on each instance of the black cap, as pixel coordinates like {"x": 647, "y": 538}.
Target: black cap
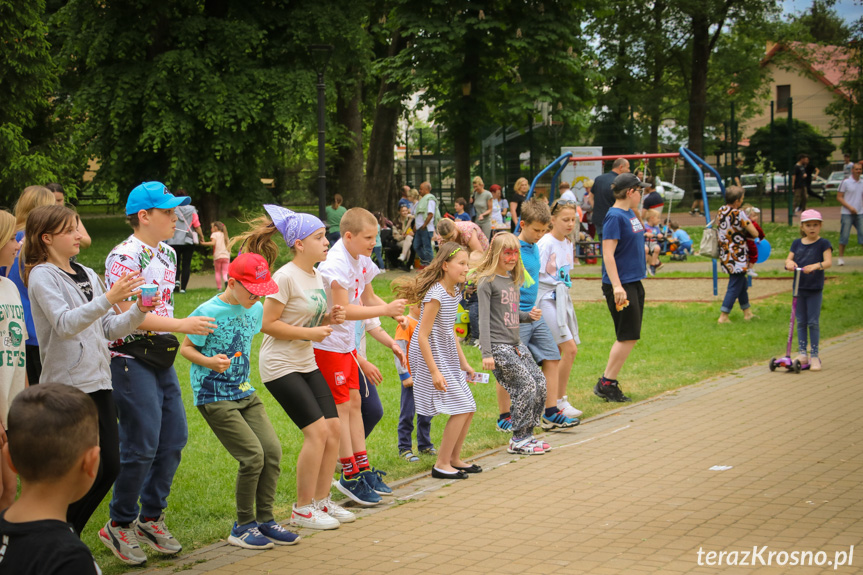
{"x": 626, "y": 181}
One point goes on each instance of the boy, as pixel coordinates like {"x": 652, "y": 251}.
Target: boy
{"x": 652, "y": 237}
{"x": 348, "y": 272}
{"x": 684, "y": 242}
{"x": 226, "y": 399}
{"x": 460, "y": 213}
{"x": 535, "y": 219}
{"x": 152, "y": 419}
{"x": 407, "y": 408}
{"x": 54, "y": 446}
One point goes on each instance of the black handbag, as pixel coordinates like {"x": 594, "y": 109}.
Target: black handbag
{"x": 158, "y": 351}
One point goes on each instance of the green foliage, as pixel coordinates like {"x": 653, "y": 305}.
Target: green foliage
{"x": 785, "y": 146}
{"x": 824, "y": 24}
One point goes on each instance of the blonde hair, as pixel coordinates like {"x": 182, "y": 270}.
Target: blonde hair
{"x": 414, "y": 289}
{"x": 447, "y": 230}
{"x": 521, "y": 182}
{"x": 356, "y": 220}
{"x": 413, "y": 195}
{"x": 31, "y": 198}
{"x": 258, "y": 239}
{"x": 478, "y": 180}
{"x": 222, "y": 228}
{"x": 487, "y": 268}
{"x": 7, "y": 227}
{"x": 650, "y": 214}
{"x": 535, "y": 211}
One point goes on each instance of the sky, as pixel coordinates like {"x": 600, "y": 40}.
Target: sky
{"x": 850, "y": 10}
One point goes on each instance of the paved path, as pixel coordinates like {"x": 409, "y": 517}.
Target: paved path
{"x": 636, "y": 490}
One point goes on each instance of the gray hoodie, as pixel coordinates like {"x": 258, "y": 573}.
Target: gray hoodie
{"x": 74, "y": 333}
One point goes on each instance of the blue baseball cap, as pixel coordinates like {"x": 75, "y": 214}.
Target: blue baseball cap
{"x": 153, "y": 195}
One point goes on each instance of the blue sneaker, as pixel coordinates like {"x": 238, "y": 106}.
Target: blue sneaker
{"x": 358, "y": 491}
{"x": 558, "y": 420}
{"x": 248, "y": 537}
{"x": 374, "y": 478}
{"x": 504, "y": 425}
{"x": 278, "y": 534}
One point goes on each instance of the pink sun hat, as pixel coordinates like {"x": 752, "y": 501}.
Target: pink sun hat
{"x": 811, "y": 215}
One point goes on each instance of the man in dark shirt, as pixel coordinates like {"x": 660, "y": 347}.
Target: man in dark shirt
{"x": 801, "y": 179}
{"x": 603, "y": 198}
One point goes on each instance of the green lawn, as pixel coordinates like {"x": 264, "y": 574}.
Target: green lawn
{"x": 682, "y": 345}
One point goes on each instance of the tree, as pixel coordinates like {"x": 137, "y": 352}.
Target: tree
{"x": 824, "y": 24}
{"x": 785, "y": 146}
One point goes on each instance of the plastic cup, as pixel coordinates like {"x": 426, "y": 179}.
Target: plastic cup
{"x": 148, "y": 292}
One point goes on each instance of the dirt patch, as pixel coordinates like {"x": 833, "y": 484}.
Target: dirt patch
{"x": 681, "y": 289}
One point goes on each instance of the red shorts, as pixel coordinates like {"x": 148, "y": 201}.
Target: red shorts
{"x": 341, "y": 372}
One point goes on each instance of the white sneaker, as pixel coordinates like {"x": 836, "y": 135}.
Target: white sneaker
{"x": 335, "y": 511}
{"x": 753, "y": 273}
{"x": 568, "y": 410}
{"x": 312, "y": 518}
{"x": 841, "y": 262}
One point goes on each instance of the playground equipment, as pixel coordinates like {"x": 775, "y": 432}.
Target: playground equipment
{"x": 698, "y": 164}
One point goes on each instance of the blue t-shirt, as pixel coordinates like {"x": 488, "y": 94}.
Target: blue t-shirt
{"x": 681, "y": 236}
{"x": 14, "y": 274}
{"x": 464, "y": 217}
{"x": 530, "y": 259}
{"x": 812, "y": 254}
{"x": 625, "y": 227}
{"x": 237, "y": 327}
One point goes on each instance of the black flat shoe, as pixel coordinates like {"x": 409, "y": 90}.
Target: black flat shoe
{"x": 437, "y": 474}
{"x": 471, "y": 469}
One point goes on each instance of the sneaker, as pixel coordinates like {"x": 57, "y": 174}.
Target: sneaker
{"x": 802, "y": 358}
{"x": 428, "y": 451}
{"x": 335, "y": 511}
{"x": 753, "y": 273}
{"x": 249, "y": 537}
{"x": 841, "y": 262}
{"x": 358, "y": 491}
{"x": 408, "y": 455}
{"x": 815, "y": 364}
{"x": 527, "y": 446}
{"x": 311, "y": 517}
{"x": 504, "y": 425}
{"x": 610, "y": 392}
{"x": 374, "y": 477}
{"x": 568, "y": 410}
{"x": 123, "y": 543}
{"x": 278, "y": 534}
{"x": 558, "y": 420}
{"x": 651, "y": 271}
{"x": 156, "y": 535}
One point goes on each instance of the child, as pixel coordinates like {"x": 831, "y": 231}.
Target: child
{"x": 813, "y": 254}
{"x": 555, "y": 264}
{"x": 460, "y": 214}
{"x": 751, "y": 245}
{"x": 347, "y": 273}
{"x": 684, "y": 242}
{"x": 13, "y": 330}
{"x": 294, "y": 317}
{"x": 437, "y": 360}
{"x": 221, "y": 254}
{"x": 371, "y": 408}
{"x": 498, "y": 277}
{"x": 407, "y": 406}
{"x": 222, "y": 392}
{"x": 652, "y": 238}
{"x": 403, "y": 232}
{"x": 54, "y": 446}
{"x": 470, "y": 301}
{"x": 152, "y": 418}
{"x": 73, "y": 318}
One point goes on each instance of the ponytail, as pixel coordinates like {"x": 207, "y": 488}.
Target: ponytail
{"x": 259, "y": 240}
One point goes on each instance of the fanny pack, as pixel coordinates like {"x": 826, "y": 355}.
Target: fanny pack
{"x": 157, "y": 350}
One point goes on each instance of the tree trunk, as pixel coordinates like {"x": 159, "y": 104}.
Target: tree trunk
{"x": 208, "y": 210}
{"x": 349, "y": 167}
{"x": 461, "y": 136}
{"x": 698, "y": 88}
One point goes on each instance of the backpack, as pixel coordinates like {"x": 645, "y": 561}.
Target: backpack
{"x": 710, "y": 241}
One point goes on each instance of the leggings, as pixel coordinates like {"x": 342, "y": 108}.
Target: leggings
{"x": 517, "y": 372}
{"x": 221, "y": 265}
{"x": 80, "y": 511}
{"x": 184, "y": 263}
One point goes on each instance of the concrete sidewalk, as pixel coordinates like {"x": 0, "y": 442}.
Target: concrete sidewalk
{"x": 750, "y": 459}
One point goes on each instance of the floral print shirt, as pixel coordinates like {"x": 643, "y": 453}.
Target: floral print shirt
{"x": 731, "y": 231}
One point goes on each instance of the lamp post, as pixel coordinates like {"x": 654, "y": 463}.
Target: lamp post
{"x": 320, "y": 55}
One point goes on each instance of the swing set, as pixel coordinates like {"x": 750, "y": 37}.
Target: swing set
{"x": 695, "y": 162}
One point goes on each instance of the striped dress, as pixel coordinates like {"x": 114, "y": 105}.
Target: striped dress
{"x": 458, "y": 397}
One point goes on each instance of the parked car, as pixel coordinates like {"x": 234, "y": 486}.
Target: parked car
{"x": 711, "y": 186}
{"x": 834, "y": 180}
{"x": 669, "y": 192}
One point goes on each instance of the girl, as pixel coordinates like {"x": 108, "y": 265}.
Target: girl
{"x": 403, "y": 232}
{"x": 13, "y": 378}
{"x": 436, "y": 359}
{"x": 499, "y": 276}
{"x": 498, "y": 207}
{"x": 221, "y": 254}
{"x": 812, "y": 254}
{"x": 468, "y": 234}
{"x": 555, "y": 263}
{"x": 294, "y": 317}
{"x": 74, "y": 319}
{"x": 334, "y": 218}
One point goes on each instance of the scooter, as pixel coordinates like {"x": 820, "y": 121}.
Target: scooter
{"x": 786, "y": 362}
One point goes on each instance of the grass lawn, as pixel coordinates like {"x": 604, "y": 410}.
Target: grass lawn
{"x": 682, "y": 345}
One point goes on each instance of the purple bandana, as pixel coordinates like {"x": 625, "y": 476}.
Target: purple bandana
{"x": 293, "y": 225}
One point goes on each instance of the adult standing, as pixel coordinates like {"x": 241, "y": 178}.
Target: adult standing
{"x": 519, "y": 194}
{"x": 850, "y": 195}
{"x": 566, "y": 193}
{"x": 186, "y": 235}
{"x": 403, "y": 200}
{"x": 427, "y": 216}
{"x": 483, "y": 203}
{"x": 734, "y": 227}
{"x": 603, "y": 196}
{"x": 498, "y": 207}
{"x": 335, "y": 211}
{"x": 847, "y": 166}
{"x": 800, "y": 183}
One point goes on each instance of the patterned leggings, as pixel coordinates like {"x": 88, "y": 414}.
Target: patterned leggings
{"x": 517, "y": 372}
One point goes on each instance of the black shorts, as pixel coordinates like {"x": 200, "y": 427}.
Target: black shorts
{"x": 305, "y": 397}
{"x": 627, "y": 322}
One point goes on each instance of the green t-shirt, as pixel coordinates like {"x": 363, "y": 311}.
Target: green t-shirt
{"x": 334, "y": 217}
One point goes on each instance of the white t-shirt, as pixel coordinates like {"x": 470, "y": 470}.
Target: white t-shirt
{"x": 305, "y": 302}
{"x": 13, "y": 334}
{"x": 847, "y": 169}
{"x": 568, "y": 196}
{"x": 431, "y": 210}
{"x": 555, "y": 260}
{"x": 853, "y": 190}
{"x": 353, "y": 274}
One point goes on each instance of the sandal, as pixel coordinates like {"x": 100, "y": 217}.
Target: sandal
{"x": 408, "y": 455}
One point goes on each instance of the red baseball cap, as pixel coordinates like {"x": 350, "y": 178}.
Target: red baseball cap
{"x": 253, "y": 272}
